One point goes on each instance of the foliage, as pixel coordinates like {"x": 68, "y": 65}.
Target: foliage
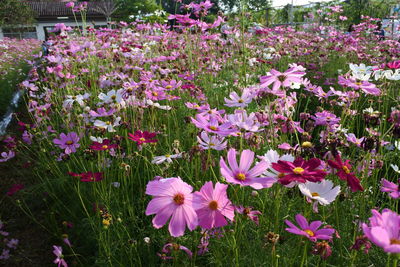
{"x": 129, "y": 10}
{"x": 14, "y": 13}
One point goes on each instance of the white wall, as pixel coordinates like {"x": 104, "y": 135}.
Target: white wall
{"x": 40, "y": 27}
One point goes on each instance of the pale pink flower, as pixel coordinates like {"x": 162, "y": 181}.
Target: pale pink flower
{"x": 242, "y": 174}
{"x": 212, "y": 205}
{"x": 172, "y": 197}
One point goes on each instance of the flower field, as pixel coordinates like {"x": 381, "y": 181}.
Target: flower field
{"x": 14, "y": 57}
{"x": 192, "y": 147}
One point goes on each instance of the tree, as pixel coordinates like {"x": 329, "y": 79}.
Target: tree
{"x": 258, "y": 5}
{"x": 129, "y": 10}
{"x": 107, "y": 8}
{"x": 14, "y": 13}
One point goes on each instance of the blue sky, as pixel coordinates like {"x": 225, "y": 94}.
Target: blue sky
{"x": 295, "y": 2}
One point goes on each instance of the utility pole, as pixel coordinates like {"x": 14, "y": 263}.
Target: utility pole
{"x": 291, "y": 14}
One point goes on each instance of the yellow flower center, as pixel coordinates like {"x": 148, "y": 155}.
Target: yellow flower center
{"x": 306, "y": 144}
{"x": 105, "y": 147}
{"x": 179, "y": 199}
{"x": 213, "y": 128}
{"x": 69, "y": 142}
{"x": 142, "y": 139}
{"x": 113, "y": 97}
{"x": 309, "y": 232}
{"x": 346, "y": 170}
{"x": 240, "y": 100}
{"x": 241, "y": 176}
{"x": 213, "y": 205}
{"x": 315, "y": 194}
{"x": 168, "y": 87}
{"x": 298, "y": 170}
{"x": 155, "y": 94}
{"x": 280, "y": 175}
{"x": 168, "y": 156}
{"x": 359, "y": 83}
{"x": 212, "y": 144}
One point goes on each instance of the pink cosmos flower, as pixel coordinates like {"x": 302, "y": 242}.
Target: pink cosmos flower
{"x": 170, "y": 247}
{"x": 384, "y": 230}
{"x": 172, "y": 197}
{"x": 299, "y": 170}
{"x": 6, "y": 156}
{"x": 391, "y": 188}
{"x": 242, "y": 174}
{"x": 344, "y": 173}
{"x": 70, "y": 4}
{"x": 212, "y": 125}
{"x": 212, "y": 205}
{"x": 279, "y": 79}
{"x": 211, "y": 142}
{"x": 311, "y": 230}
{"x": 325, "y": 118}
{"x": 60, "y": 257}
{"x": 353, "y": 139}
{"x": 365, "y": 86}
{"x": 69, "y": 142}
{"x": 239, "y": 101}
{"x": 249, "y": 212}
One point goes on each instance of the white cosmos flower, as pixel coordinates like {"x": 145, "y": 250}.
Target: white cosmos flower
{"x": 75, "y": 98}
{"x": 273, "y": 157}
{"x": 168, "y": 158}
{"x": 323, "y": 192}
{"x": 395, "y": 168}
{"x": 109, "y": 126}
{"x": 157, "y": 105}
{"x": 111, "y": 97}
{"x": 96, "y": 139}
{"x": 360, "y": 69}
{"x": 397, "y": 144}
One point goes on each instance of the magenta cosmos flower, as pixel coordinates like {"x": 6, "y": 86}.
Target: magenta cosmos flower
{"x": 365, "y": 86}
{"x": 105, "y": 145}
{"x": 173, "y": 199}
{"x": 279, "y": 79}
{"x": 299, "y": 170}
{"x": 384, "y": 230}
{"x": 344, "y": 173}
{"x": 242, "y": 174}
{"x": 88, "y": 176}
{"x": 311, "y": 230}
{"x": 143, "y": 137}
{"x": 212, "y": 205}
{"x": 69, "y": 142}
{"x": 391, "y": 188}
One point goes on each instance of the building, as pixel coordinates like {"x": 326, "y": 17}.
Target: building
{"x": 47, "y": 14}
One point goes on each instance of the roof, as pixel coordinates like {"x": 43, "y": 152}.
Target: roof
{"x": 48, "y": 10}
